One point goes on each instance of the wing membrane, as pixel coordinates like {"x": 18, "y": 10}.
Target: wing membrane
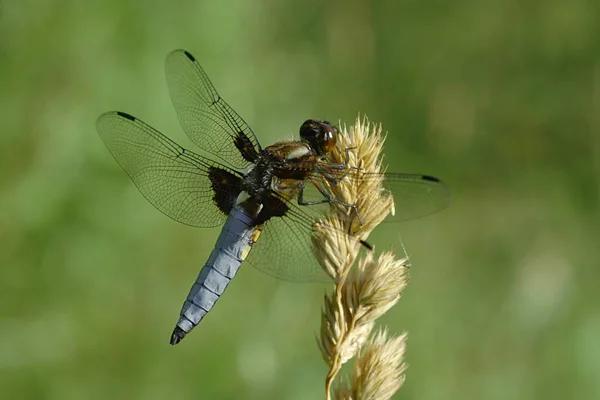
{"x": 197, "y": 191}
{"x": 204, "y": 116}
{"x": 285, "y": 249}
{"x": 415, "y": 195}
{"x": 175, "y": 180}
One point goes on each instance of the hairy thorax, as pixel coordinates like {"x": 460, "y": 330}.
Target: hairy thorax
{"x": 282, "y": 168}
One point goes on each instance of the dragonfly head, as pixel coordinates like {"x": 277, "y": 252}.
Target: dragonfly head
{"x": 321, "y": 136}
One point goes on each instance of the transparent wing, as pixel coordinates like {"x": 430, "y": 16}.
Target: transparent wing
{"x": 175, "y": 180}
{"x": 414, "y": 195}
{"x": 204, "y": 116}
{"x": 285, "y": 250}
{"x": 178, "y": 183}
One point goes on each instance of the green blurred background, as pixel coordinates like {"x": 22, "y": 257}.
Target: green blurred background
{"x": 499, "y": 98}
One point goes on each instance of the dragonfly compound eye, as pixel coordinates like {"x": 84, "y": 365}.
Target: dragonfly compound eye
{"x": 329, "y": 137}
{"x": 320, "y": 135}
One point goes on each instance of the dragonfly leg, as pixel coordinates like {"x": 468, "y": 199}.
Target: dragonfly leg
{"x": 328, "y": 198}
{"x": 346, "y": 160}
{"x": 335, "y": 180}
{"x": 303, "y": 202}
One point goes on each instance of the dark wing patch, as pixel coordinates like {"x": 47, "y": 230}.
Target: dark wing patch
{"x": 175, "y": 180}
{"x": 273, "y": 206}
{"x": 204, "y": 116}
{"x": 226, "y": 187}
{"x": 246, "y": 147}
{"x": 284, "y": 249}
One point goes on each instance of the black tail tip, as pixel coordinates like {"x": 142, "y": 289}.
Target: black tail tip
{"x": 177, "y": 335}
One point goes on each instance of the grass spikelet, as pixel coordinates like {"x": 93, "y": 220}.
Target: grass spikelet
{"x": 379, "y": 368}
{"x": 366, "y": 289}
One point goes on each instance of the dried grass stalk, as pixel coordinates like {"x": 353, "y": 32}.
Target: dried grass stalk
{"x": 361, "y": 294}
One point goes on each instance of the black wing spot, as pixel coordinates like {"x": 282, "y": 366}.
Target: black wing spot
{"x": 125, "y": 115}
{"x": 226, "y": 188}
{"x": 188, "y": 55}
{"x": 245, "y": 147}
{"x": 430, "y": 178}
{"x": 272, "y": 207}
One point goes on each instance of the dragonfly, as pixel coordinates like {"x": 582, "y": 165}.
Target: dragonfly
{"x": 249, "y": 190}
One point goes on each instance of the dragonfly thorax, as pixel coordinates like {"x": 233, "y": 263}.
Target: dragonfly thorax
{"x": 257, "y": 181}
{"x": 277, "y": 176}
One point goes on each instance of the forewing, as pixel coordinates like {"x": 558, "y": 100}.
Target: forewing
{"x": 285, "y": 250}
{"x": 205, "y": 117}
{"x": 414, "y": 195}
{"x": 173, "y": 179}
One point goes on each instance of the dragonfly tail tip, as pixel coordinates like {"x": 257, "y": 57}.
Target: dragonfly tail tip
{"x": 177, "y": 335}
